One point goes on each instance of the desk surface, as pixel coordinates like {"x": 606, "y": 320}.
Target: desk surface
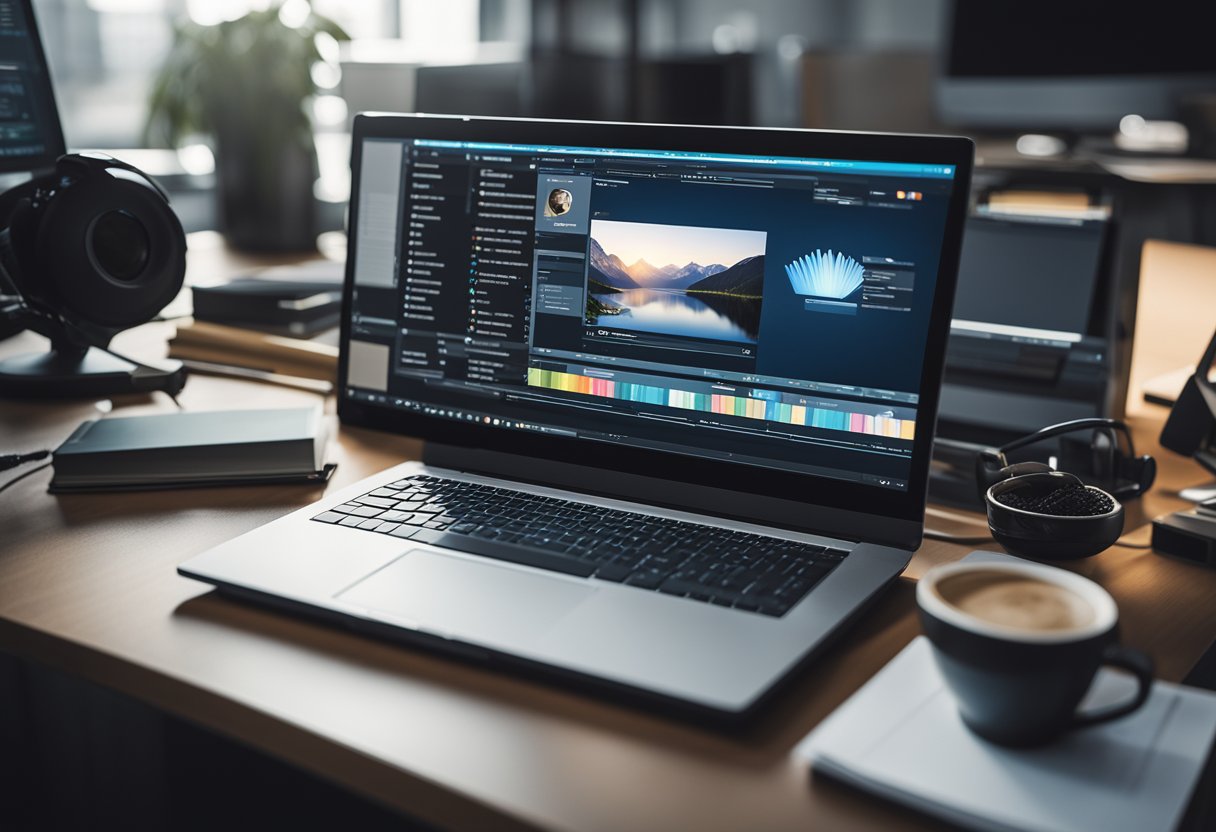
{"x": 87, "y": 584}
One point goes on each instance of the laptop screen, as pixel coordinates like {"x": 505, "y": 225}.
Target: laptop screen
{"x": 759, "y": 310}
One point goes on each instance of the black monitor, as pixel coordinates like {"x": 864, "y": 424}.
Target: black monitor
{"x": 30, "y": 134}
{"x": 1076, "y": 66}
{"x": 1032, "y": 340}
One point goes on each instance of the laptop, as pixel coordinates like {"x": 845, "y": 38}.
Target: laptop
{"x": 676, "y": 385}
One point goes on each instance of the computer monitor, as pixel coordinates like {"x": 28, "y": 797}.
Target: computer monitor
{"x": 1032, "y": 339}
{"x": 1079, "y": 65}
{"x": 31, "y": 137}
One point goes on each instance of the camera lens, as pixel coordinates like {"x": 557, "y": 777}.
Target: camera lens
{"x": 119, "y": 245}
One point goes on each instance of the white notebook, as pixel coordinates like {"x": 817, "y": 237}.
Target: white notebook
{"x": 900, "y": 737}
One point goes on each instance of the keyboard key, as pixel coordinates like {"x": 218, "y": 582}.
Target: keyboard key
{"x": 614, "y": 572}
{"x": 646, "y": 579}
{"x": 350, "y": 520}
{"x": 329, "y": 517}
{"x": 504, "y": 551}
{"x": 371, "y": 524}
{"x": 676, "y": 586}
{"x": 379, "y": 502}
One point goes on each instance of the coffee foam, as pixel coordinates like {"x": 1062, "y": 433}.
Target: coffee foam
{"x": 1016, "y": 601}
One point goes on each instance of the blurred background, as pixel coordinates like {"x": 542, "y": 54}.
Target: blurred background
{"x": 1044, "y": 78}
{"x": 716, "y": 61}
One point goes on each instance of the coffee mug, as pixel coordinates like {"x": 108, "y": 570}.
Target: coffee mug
{"x": 1018, "y": 644}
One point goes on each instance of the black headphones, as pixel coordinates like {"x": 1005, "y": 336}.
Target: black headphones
{"x": 91, "y": 249}
{"x": 1108, "y": 459}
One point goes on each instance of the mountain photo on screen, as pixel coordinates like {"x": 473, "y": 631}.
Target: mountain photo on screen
{"x": 685, "y": 281}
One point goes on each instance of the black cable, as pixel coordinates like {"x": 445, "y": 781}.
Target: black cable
{"x": 23, "y": 475}
{"x": 937, "y": 534}
{"x": 13, "y": 460}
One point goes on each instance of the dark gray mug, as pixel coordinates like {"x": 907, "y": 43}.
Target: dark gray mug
{"x": 1018, "y": 683}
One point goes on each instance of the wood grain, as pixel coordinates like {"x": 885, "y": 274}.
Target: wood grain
{"x": 87, "y": 584}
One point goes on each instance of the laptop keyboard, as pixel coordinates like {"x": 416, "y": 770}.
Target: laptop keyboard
{"x": 750, "y": 572}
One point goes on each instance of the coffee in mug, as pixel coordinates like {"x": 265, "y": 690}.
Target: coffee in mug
{"x": 1016, "y": 601}
{"x": 1019, "y": 644}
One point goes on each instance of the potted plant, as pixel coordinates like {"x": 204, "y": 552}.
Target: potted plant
{"x": 246, "y": 84}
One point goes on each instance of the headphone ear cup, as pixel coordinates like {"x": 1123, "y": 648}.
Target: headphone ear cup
{"x": 1019, "y": 469}
{"x": 1104, "y": 450}
{"x": 988, "y": 465}
{"x": 1145, "y": 473}
{"x": 989, "y": 470}
{"x": 109, "y": 246}
{"x": 17, "y": 254}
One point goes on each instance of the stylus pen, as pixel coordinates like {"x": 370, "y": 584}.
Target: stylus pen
{"x": 312, "y": 385}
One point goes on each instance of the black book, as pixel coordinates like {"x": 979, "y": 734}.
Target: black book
{"x": 296, "y": 307}
{"x": 175, "y": 450}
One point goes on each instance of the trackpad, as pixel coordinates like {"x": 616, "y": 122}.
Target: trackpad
{"x": 471, "y": 599}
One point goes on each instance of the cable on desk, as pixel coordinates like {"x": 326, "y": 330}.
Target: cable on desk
{"x": 937, "y": 534}
{"x": 8, "y": 461}
{"x": 23, "y": 475}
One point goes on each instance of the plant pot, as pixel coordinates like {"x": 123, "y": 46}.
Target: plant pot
{"x": 265, "y": 195}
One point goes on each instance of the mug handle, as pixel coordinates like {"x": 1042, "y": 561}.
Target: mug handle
{"x": 1136, "y": 663}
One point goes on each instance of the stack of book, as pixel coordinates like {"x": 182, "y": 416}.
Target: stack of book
{"x": 279, "y": 326}
{"x": 217, "y": 344}
{"x": 300, "y": 307}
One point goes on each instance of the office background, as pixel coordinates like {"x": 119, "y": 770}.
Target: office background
{"x": 862, "y": 64}
{"x": 104, "y": 55}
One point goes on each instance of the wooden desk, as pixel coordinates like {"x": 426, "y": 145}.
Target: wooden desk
{"x": 87, "y": 585}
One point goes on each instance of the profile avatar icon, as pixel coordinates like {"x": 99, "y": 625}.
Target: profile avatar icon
{"x": 559, "y": 202}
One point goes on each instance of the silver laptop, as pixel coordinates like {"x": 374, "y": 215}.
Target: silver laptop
{"x": 677, "y": 387}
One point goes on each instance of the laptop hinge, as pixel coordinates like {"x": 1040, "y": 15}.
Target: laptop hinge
{"x": 720, "y": 502}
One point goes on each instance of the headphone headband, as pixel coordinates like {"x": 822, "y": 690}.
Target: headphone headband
{"x": 1137, "y": 472}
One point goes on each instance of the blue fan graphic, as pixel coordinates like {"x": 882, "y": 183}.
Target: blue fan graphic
{"x": 825, "y": 275}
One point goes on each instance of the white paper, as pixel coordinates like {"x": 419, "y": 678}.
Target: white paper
{"x": 900, "y": 736}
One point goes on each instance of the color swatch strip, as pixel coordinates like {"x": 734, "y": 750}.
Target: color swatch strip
{"x": 749, "y": 408}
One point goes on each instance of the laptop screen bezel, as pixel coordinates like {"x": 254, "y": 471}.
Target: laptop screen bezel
{"x": 820, "y": 491}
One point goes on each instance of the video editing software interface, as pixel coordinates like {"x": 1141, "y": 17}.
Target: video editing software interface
{"x": 761, "y": 310}
{"x": 27, "y": 122}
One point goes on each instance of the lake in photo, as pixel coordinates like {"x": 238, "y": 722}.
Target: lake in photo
{"x": 675, "y": 312}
